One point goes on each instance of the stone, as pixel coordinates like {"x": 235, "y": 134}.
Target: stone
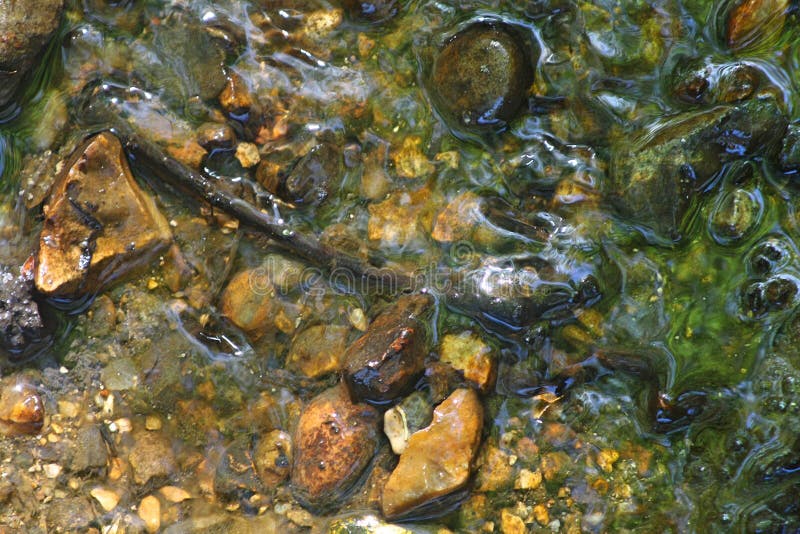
{"x": 235, "y": 97}
{"x": 439, "y": 458}
{"x": 655, "y": 178}
{"x": 755, "y": 22}
{"x": 399, "y": 422}
{"x": 150, "y": 512}
{"x": 90, "y": 450}
{"x": 318, "y": 350}
{"x": 511, "y": 523}
{"x": 98, "y": 223}
{"x": 248, "y": 301}
{"x": 495, "y": 471}
{"x": 736, "y": 215}
{"x": 26, "y": 26}
{"x": 71, "y": 514}
{"x": 211, "y": 135}
{"x": 151, "y": 457}
{"x": 174, "y": 494}
{"x": 21, "y": 409}
{"x": 528, "y": 480}
{"x": 273, "y": 458}
{"x": 108, "y": 499}
{"x": 401, "y": 219}
{"x": 21, "y": 327}
{"x": 387, "y": 360}
{"x": 334, "y": 443}
{"x": 410, "y": 161}
{"x": 317, "y": 174}
{"x": 469, "y": 354}
{"x": 481, "y": 76}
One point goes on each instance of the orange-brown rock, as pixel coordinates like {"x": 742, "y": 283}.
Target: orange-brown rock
{"x": 21, "y": 409}
{"x": 438, "y": 460}
{"x": 98, "y": 223}
{"x": 754, "y": 22}
{"x": 334, "y": 443}
{"x": 249, "y": 302}
{"x": 318, "y": 350}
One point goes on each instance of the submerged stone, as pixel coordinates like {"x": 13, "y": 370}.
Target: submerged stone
{"x": 755, "y": 22}
{"x": 98, "y": 223}
{"x": 26, "y": 26}
{"x": 481, "y": 76}
{"x": 386, "y": 361}
{"x": 21, "y": 409}
{"x": 655, "y": 178}
{"x": 438, "y": 460}
{"x": 334, "y": 443}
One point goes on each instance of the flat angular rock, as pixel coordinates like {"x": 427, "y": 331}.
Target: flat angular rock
{"x": 334, "y": 443}
{"x": 438, "y": 460}
{"x": 98, "y": 223}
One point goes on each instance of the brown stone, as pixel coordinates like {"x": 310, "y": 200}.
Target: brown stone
{"x": 386, "y": 361}
{"x": 248, "y": 301}
{"x": 334, "y": 443}
{"x": 21, "y": 409}
{"x": 98, "y": 223}
{"x": 318, "y": 350}
{"x": 235, "y": 97}
{"x": 151, "y": 457}
{"x": 273, "y": 458}
{"x": 755, "y": 21}
{"x": 439, "y": 459}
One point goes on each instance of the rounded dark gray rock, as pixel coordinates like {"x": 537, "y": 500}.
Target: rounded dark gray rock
{"x": 481, "y": 76}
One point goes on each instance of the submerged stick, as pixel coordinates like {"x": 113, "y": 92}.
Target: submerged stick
{"x": 386, "y": 281}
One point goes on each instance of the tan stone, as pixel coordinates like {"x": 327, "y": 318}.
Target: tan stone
{"x": 150, "y": 512}
{"x": 151, "y": 457}
{"x": 541, "y": 514}
{"x": 457, "y": 221}
{"x": 495, "y": 472}
{"x": 98, "y": 223}
{"x": 318, "y": 350}
{"x": 528, "y": 480}
{"x": 401, "y": 218}
{"x": 511, "y": 524}
{"x": 606, "y": 459}
{"x": 108, "y": 499}
{"x": 439, "y": 458}
{"x": 175, "y": 494}
{"x": 410, "y": 161}
{"x": 470, "y": 355}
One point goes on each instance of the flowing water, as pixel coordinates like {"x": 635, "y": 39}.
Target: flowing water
{"x": 665, "y": 400}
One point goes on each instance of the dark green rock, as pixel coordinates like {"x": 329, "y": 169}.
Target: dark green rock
{"x": 655, "y": 177}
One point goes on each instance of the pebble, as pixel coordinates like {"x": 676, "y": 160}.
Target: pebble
{"x": 175, "y": 494}
{"x": 511, "y": 524}
{"x": 247, "y": 154}
{"x": 150, "y": 512}
{"x": 541, "y": 514}
{"x": 21, "y": 409}
{"x": 152, "y": 422}
{"x": 151, "y": 457}
{"x": 108, "y": 499}
{"x": 248, "y": 301}
{"x": 528, "y": 480}
{"x": 468, "y": 353}
{"x": 318, "y": 350}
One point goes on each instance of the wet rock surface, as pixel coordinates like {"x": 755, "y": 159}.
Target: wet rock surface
{"x": 99, "y": 224}
{"x": 655, "y": 181}
{"x": 334, "y": 443}
{"x": 481, "y": 76}
{"x": 26, "y": 27}
{"x": 438, "y": 459}
{"x": 21, "y": 327}
{"x": 386, "y": 361}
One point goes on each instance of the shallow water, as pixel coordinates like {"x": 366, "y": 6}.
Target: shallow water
{"x": 679, "y": 371}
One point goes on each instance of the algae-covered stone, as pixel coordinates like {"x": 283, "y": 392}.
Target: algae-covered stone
{"x": 470, "y": 355}
{"x": 318, "y": 350}
{"x": 249, "y": 302}
{"x": 439, "y": 459}
{"x": 334, "y": 443}
{"x": 481, "y": 76}
{"x": 98, "y": 223}
{"x": 655, "y": 178}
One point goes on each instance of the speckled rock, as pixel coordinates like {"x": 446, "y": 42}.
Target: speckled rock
{"x": 25, "y": 28}
{"x": 481, "y": 76}
{"x": 98, "y": 223}
{"x": 151, "y": 457}
{"x": 21, "y": 327}
{"x": 334, "y": 443}
{"x": 439, "y": 459}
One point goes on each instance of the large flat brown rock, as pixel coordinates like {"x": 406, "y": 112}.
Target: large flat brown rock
{"x": 439, "y": 458}
{"x": 98, "y": 223}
